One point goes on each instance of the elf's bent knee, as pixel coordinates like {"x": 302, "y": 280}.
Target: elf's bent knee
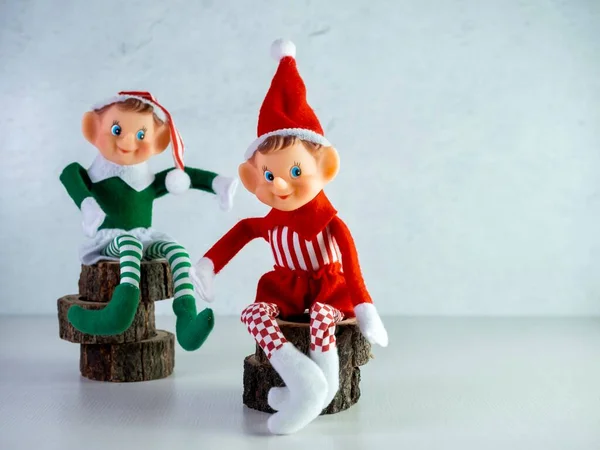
{"x": 323, "y": 314}
{"x": 128, "y": 239}
{"x": 257, "y": 311}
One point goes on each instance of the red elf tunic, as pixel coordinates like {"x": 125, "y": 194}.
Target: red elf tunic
{"x": 315, "y": 258}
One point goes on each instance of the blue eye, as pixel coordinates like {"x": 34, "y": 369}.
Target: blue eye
{"x": 115, "y": 129}
{"x": 140, "y": 135}
{"x": 295, "y": 171}
{"x": 269, "y": 176}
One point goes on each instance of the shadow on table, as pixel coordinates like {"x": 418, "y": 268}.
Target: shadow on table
{"x": 165, "y": 404}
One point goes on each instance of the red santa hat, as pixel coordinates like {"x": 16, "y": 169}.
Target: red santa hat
{"x": 162, "y": 114}
{"x": 285, "y": 111}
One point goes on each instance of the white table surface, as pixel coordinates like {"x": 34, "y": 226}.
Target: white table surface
{"x": 443, "y": 383}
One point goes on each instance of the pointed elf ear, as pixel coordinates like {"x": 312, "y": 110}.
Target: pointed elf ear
{"x": 89, "y": 125}
{"x": 163, "y": 137}
{"x": 329, "y": 163}
{"x": 247, "y": 173}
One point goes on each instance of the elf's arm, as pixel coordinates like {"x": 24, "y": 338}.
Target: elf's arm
{"x": 223, "y": 251}
{"x": 178, "y": 181}
{"x": 76, "y": 181}
{"x": 352, "y": 272}
{"x": 233, "y": 241}
{"x": 367, "y": 316}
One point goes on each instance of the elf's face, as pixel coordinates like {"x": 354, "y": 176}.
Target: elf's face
{"x": 125, "y": 137}
{"x": 289, "y": 178}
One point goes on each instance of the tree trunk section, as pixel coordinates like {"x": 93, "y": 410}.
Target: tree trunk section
{"x": 353, "y": 349}
{"x": 142, "y": 328}
{"x": 97, "y": 282}
{"x": 147, "y": 360}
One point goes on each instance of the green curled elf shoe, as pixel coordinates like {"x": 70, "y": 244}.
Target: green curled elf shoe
{"x": 115, "y": 318}
{"x": 192, "y": 329}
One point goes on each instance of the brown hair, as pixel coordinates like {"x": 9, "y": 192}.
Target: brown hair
{"x": 134, "y": 105}
{"x": 276, "y": 143}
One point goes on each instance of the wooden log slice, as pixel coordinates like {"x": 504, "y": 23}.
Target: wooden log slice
{"x": 353, "y": 347}
{"x": 143, "y": 326}
{"x": 147, "y": 360}
{"x": 260, "y": 378}
{"x": 97, "y": 282}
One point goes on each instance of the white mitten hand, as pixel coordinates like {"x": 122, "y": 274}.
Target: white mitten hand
{"x": 93, "y": 216}
{"x": 370, "y": 324}
{"x": 225, "y": 188}
{"x": 202, "y": 275}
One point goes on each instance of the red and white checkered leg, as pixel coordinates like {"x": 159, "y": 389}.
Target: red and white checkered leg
{"x": 322, "y": 326}
{"x": 260, "y": 320}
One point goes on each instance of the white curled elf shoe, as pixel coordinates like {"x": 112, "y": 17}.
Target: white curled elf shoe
{"x": 329, "y": 363}
{"x": 307, "y": 389}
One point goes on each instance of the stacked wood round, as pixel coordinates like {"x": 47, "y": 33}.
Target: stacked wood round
{"x": 353, "y": 349}
{"x": 142, "y": 352}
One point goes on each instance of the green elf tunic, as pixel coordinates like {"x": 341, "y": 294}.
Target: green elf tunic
{"x": 126, "y": 195}
{"x": 117, "y": 201}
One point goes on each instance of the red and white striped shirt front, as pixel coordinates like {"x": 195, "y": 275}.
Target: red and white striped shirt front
{"x": 284, "y": 230}
{"x": 292, "y": 251}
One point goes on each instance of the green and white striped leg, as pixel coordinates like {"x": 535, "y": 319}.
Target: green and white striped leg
{"x": 117, "y": 316}
{"x": 129, "y": 250}
{"x": 192, "y": 328}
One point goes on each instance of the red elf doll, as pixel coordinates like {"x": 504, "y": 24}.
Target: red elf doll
{"x": 316, "y": 264}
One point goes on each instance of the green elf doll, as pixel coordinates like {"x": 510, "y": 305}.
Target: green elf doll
{"x": 115, "y": 196}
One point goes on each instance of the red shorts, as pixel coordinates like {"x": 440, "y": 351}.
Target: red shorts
{"x": 295, "y": 291}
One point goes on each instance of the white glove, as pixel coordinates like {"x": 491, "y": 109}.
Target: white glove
{"x": 93, "y": 216}
{"x": 370, "y": 324}
{"x": 225, "y": 188}
{"x": 202, "y": 275}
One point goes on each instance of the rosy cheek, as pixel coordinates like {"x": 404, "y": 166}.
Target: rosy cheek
{"x": 264, "y": 194}
{"x": 105, "y": 142}
{"x": 144, "y": 150}
{"x": 304, "y": 186}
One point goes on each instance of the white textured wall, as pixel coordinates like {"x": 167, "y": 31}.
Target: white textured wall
{"x": 469, "y": 133}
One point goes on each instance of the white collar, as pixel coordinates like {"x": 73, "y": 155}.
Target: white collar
{"x": 138, "y": 176}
